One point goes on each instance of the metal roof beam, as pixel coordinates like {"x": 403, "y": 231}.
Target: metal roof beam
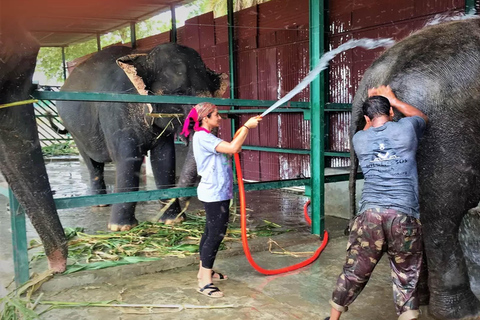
{"x": 100, "y": 18}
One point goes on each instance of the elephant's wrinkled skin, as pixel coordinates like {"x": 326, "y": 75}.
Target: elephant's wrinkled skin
{"x": 438, "y": 70}
{"x": 121, "y": 132}
{"x": 21, "y": 160}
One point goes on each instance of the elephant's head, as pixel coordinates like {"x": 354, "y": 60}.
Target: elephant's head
{"x": 172, "y": 69}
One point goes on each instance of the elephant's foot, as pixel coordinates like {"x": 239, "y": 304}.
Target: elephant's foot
{"x": 172, "y": 221}
{"x": 460, "y": 305}
{"x": 102, "y": 206}
{"x": 122, "y": 226}
{"x": 173, "y": 213}
{"x": 57, "y": 261}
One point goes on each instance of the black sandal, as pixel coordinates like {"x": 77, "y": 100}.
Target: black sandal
{"x": 211, "y": 289}
{"x": 220, "y": 276}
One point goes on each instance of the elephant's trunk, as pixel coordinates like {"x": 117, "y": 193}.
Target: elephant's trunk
{"x": 188, "y": 176}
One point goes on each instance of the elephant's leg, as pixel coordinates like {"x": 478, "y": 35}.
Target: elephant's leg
{"x": 127, "y": 179}
{"x": 22, "y": 164}
{"x": 162, "y": 157}
{"x": 450, "y": 294}
{"x": 95, "y": 169}
{"x": 188, "y": 176}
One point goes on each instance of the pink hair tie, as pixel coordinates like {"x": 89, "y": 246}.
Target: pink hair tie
{"x": 202, "y": 109}
{"x": 191, "y": 115}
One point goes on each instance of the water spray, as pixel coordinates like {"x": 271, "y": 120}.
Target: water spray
{"x": 322, "y": 65}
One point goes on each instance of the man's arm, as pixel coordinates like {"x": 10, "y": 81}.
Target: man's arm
{"x": 404, "y": 108}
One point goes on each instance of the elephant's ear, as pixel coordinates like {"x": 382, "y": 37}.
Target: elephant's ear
{"x": 220, "y": 82}
{"x": 224, "y": 83}
{"x": 130, "y": 65}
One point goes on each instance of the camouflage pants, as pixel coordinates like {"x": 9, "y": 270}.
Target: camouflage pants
{"x": 374, "y": 232}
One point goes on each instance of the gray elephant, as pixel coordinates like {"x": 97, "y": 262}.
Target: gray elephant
{"x": 21, "y": 159}
{"x": 438, "y": 71}
{"x": 123, "y": 132}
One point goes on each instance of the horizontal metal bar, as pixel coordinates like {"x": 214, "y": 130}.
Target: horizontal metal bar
{"x": 256, "y": 186}
{"x": 60, "y": 139}
{"x": 332, "y": 107}
{"x": 277, "y": 150}
{"x": 295, "y": 151}
{"x": 283, "y": 110}
{"x": 119, "y": 97}
{"x": 45, "y": 116}
{"x": 337, "y": 154}
{"x": 153, "y": 195}
{"x": 341, "y": 177}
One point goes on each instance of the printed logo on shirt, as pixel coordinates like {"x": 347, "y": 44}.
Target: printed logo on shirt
{"x": 383, "y": 153}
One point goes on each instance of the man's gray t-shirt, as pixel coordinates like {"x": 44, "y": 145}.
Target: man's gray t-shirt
{"x": 386, "y": 155}
{"x": 215, "y": 169}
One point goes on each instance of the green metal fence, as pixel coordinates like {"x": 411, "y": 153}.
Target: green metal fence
{"x": 43, "y": 109}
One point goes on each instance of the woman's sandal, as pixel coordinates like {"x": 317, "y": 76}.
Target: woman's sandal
{"x": 220, "y": 276}
{"x": 211, "y": 291}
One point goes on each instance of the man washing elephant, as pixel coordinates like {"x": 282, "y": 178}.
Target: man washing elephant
{"x": 388, "y": 219}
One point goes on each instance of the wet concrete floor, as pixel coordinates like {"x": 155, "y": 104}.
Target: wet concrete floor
{"x": 301, "y": 294}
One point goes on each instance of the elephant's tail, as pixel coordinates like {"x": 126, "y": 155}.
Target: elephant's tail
{"x": 352, "y": 187}
{"x": 50, "y": 118}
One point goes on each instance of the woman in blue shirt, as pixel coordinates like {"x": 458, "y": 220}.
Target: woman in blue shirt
{"x": 212, "y": 156}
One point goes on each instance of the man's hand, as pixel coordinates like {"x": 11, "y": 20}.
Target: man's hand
{"x": 404, "y": 108}
{"x": 384, "y": 91}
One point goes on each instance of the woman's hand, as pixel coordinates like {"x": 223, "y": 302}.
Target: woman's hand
{"x": 253, "y": 122}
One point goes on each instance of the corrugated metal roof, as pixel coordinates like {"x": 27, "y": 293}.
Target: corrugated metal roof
{"x": 60, "y": 22}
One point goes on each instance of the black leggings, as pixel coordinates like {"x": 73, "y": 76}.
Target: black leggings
{"x": 217, "y": 215}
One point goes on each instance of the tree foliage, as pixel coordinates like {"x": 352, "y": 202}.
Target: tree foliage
{"x": 49, "y": 60}
{"x": 219, "y": 7}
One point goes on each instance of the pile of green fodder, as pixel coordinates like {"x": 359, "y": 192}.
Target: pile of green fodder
{"x": 60, "y": 149}
{"x": 145, "y": 242}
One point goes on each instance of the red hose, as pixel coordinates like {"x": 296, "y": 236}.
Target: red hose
{"x": 305, "y": 212}
{"x": 243, "y": 222}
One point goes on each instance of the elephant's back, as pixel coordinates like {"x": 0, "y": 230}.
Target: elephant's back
{"x": 436, "y": 69}
{"x": 100, "y": 73}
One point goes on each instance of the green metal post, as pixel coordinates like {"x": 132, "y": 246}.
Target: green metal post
{"x": 173, "y": 34}
{"x": 99, "y": 42}
{"x": 64, "y": 64}
{"x": 133, "y": 35}
{"x": 470, "y": 7}
{"x": 19, "y": 240}
{"x": 232, "y": 65}
{"x": 231, "y": 56}
{"x": 317, "y": 102}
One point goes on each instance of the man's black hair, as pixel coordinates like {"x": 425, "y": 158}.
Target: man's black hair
{"x": 376, "y": 106}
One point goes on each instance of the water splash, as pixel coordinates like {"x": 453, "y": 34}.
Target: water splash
{"x": 441, "y": 18}
{"x": 323, "y": 64}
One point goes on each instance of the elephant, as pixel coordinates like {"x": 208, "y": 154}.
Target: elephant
{"x": 437, "y": 70}
{"x": 123, "y": 132}
{"x": 21, "y": 159}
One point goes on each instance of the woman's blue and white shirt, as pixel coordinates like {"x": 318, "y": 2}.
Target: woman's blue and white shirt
{"x": 215, "y": 168}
